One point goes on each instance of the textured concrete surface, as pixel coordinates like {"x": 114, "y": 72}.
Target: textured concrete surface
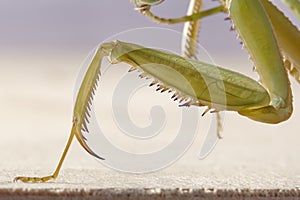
{"x": 178, "y": 184}
{"x": 149, "y": 194}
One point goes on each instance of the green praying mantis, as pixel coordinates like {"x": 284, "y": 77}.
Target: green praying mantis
{"x": 271, "y": 39}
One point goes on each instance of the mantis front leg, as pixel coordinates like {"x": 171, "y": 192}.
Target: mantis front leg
{"x": 196, "y": 82}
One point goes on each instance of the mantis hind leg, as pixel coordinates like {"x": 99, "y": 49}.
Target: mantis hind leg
{"x": 193, "y": 17}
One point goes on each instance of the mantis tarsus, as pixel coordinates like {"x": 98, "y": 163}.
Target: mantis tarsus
{"x": 272, "y": 41}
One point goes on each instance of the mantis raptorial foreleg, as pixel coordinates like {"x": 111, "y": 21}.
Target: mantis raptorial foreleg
{"x": 192, "y": 80}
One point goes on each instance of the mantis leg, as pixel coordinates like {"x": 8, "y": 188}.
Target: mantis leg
{"x": 191, "y": 31}
{"x": 261, "y": 43}
{"x": 27, "y": 179}
{"x": 56, "y": 172}
{"x": 200, "y": 83}
{"x": 195, "y": 82}
{"x": 193, "y": 17}
{"x": 80, "y": 116}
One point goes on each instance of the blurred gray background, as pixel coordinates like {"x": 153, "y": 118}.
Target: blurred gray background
{"x": 42, "y": 46}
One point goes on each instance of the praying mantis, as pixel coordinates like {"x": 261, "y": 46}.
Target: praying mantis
{"x": 271, "y": 39}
